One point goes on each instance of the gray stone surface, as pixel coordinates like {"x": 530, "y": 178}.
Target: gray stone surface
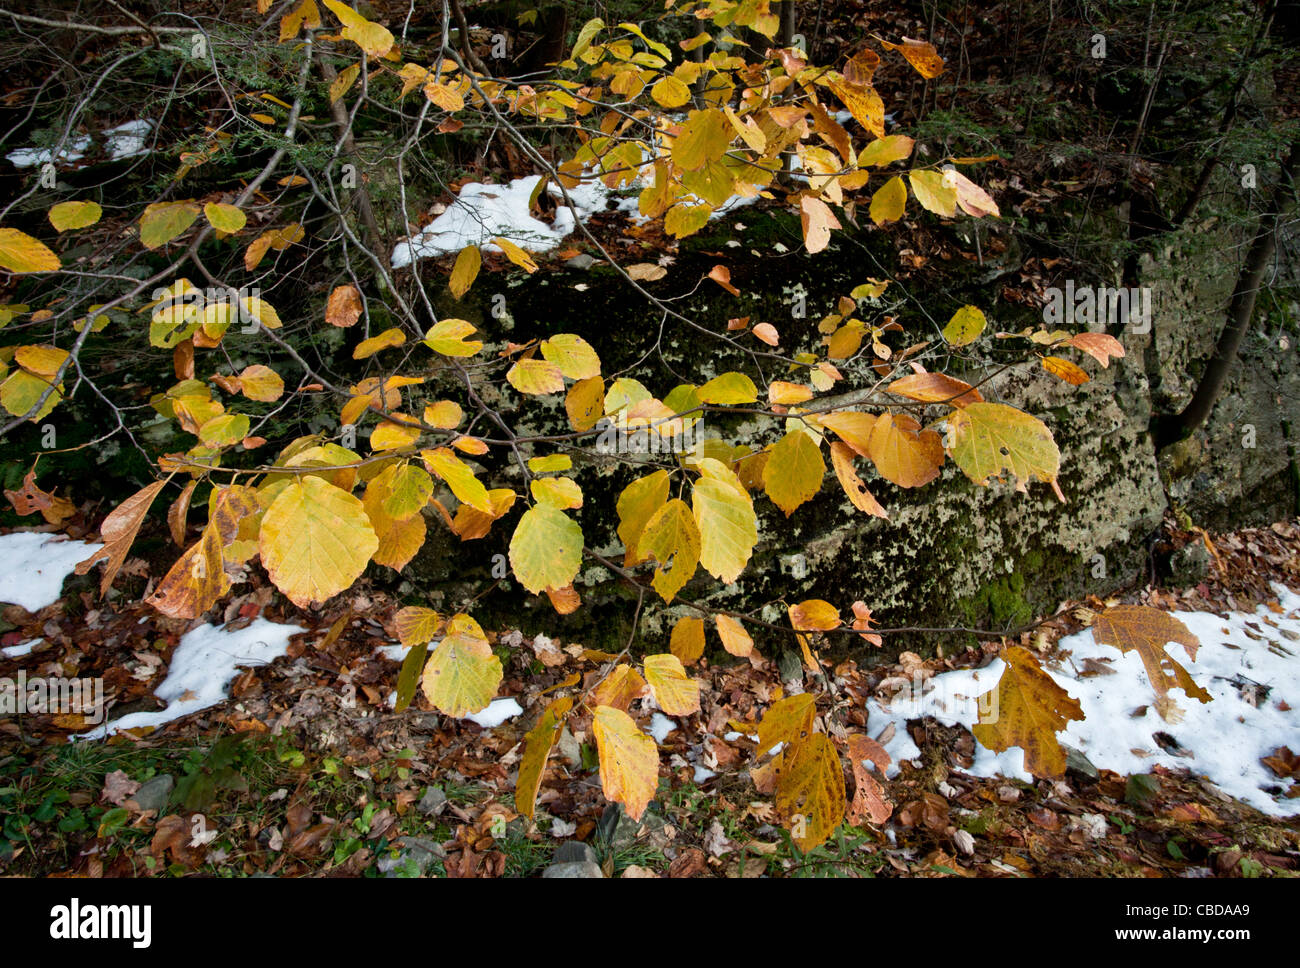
{"x": 580, "y": 869}
{"x": 433, "y": 803}
{"x": 574, "y": 852}
{"x": 153, "y": 793}
{"x": 420, "y": 851}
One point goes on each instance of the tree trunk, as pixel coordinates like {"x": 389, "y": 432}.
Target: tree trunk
{"x": 1170, "y": 428}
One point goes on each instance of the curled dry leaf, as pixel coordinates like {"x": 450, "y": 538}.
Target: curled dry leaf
{"x": 343, "y": 307}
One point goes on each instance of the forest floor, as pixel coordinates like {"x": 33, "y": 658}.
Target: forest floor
{"x": 305, "y": 770}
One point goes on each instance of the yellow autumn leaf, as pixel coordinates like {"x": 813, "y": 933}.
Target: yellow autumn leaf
{"x": 672, "y": 538}
{"x": 551, "y": 463}
{"x": 728, "y": 526}
{"x": 535, "y": 377}
{"x": 703, "y": 138}
{"x": 373, "y": 38}
{"x": 462, "y": 674}
{"x": 416, "y": 624}
{"x": 687, "y": 639}
{"x": 315, "y": 541}
{"x": 810, "y": 790}
{"x": 224, "y": 218}
{"x": 852, "y": 426}
{"x": 676, "y": 693}
{"x": 1062, "y": 369}
{"x": 516, "y": 255}
{"x": 572, "y": 354}
{"x": 889, "y": 201}
{"x": 19, "y": 253}
{"x": 1028, "y": 711}
{"x": 584, "y": 403}
{"x": 622, "y": 687}
{"x": 861, "y": 498}
{"x": 258, "y": 382}
{"x": 74, "y": 215}
{"x": 445, "y": 96}
{"x": 195, "y": 582}
{"x": 546, "y": 549}
{"x": 786, "y": 721}
{"x": 560, "y": 492}
{"x": 444, "y": 414}
{"x": 629, "y": 760}
{"x": 458, "y": 476}
{"x": 920, "y": 55}
{"x": 465, "y": 271}
{"x": 164, "y": 221}
{"x": 734, "y": 637}
{"x": 448, "y": 337}
{"x": 863, "y": 102}
{"x": 21, "y": 390}
{"x": 965, "y": 326}
{"x": 989, "y": 439}
{"x": 1147, "y": 631}
{"x": 636, "y": 505}
{"x": 794, "y": 471}
{"x": 669, "y": 92}
{"x": 343, "y": 82}
{"x": 886, "y": 151}
{"x": 404, "y": 489}
{"x": 933, "y": 192}
{"x": 537, "y": 747}
{"x": 43, "y": 360}
{"x": 728, "y": 389}
{"x": 393, "y": 435}
{"x": 369, "y": 347}
{"x": 779, "y": 391}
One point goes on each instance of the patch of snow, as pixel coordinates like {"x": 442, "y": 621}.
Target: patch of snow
{"x": 1226, "y": 736}
{"x": 396, "y": 652}
{"x": 702, "y": 774}
{"x": 35, "y": 565}
{"x": 123, "y": 141}
{"x": 484, "y": 212}
{"x": 74, "y": 150}
{"x": 20, "y": 650}
{"x": 128, "y": 140}
{"x": 496, "y": 713}
{"x": 660, "y": 727}
{"x": 202, "y": 668}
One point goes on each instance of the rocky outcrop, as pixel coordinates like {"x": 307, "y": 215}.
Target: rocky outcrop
{"x": 951, "y": 553}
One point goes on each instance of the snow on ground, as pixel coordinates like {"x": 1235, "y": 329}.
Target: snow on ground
{"x": 128, "y": 140}
{"x": 496, "y": 713}
{"x": 33, "y": 566}
{"x": 74, "y": 150}
{"x": 124, "y": 141}
{"x": 484, "y": 212}
{"x": 1227, "y": 736}
{"x": 202, "y": 667}
{"x": 20, "y": 650}
{"x": 660, "y": 727}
